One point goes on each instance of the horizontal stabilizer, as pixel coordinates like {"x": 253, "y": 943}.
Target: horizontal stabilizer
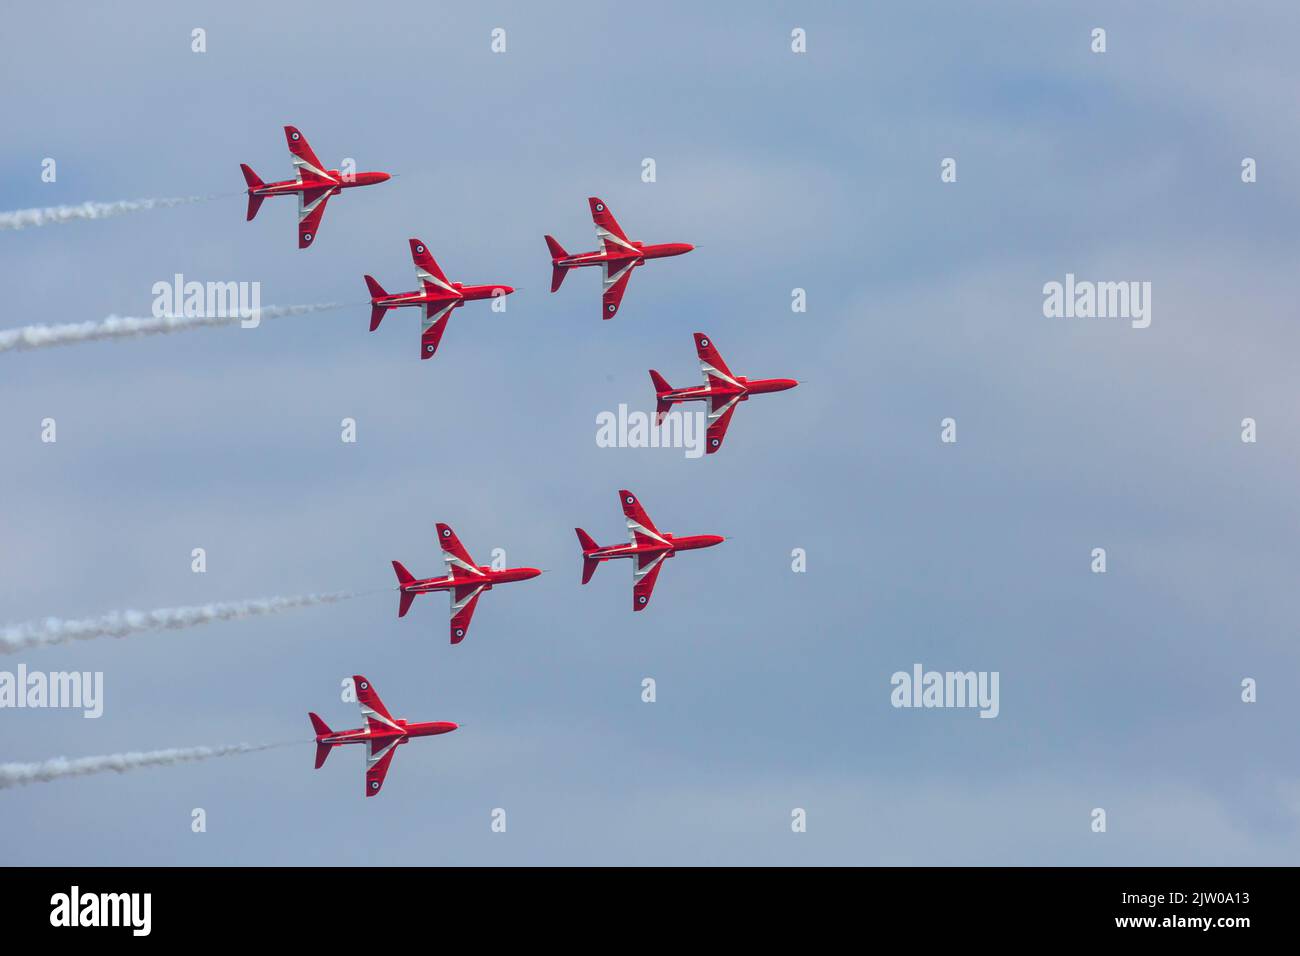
{"x": 404, "y": 598}
{"x": 557, "y": 276}
{"x": 254, "y": 182}
{"x": 321, "y": 728}
{"x": 376, "y": 311}
{"x": 588, "y": 564}
{"x": 557, "y": 271}
{"x": 403, "y": 576}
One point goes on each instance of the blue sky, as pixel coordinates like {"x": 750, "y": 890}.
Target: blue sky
{"x": 818, "y": 171}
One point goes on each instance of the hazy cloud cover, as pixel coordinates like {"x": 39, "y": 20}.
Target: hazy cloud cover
{"x": 818, "y": 171}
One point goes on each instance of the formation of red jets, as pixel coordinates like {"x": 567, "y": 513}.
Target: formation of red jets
{"x": 437, "y": 298}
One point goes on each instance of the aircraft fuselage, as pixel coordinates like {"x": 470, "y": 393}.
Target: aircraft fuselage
{"x": 685, "y": 543}
{"x": 643, "y": 252}
{"x": 489, "y": 578}
{"x": 459, "y": 293}
{"x": 743, "y": 389}
{"x": 290, "y": 186}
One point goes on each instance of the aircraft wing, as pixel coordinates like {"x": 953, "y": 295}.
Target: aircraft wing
{"x": 459, "y": 563}
{"x": 305, "y": 164}
{"x": 311, "y": 207}
{"x": 378, "y": 719}
{"x": 639, "y": 525}
{"x": 711, "y": 364}
{"x": 427, "y": 268}
{"x": 616, "y": 275}
{"x": 645, "y": 572}
{"x": 379, "y": 756}
{"x": 721, "y": 408}
{"x": 464, "y": 598}
{"x": 608, "y": 231}
{"x": 434, "y": 324}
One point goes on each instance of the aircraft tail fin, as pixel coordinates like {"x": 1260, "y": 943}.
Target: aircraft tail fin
{"x": 322, "y": 750}
{"x": 376, "y": 311}
{"x": 662, "y": 387}
{"x": 588, "y": 564}
{"x": 557, "y": 271}
{"x": 254, "y": 181}
{"x": 404, "y": 598}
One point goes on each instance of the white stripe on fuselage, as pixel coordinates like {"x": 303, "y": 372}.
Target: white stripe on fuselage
{"x": 699, "y": 391}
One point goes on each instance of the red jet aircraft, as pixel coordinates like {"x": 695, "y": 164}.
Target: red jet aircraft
{"x": 721, "y": 389}
{"x": 314, "y": 185}
{"x": 382, "y": 733}
{"x": 465, "y": 580}
{"x": 649, "y": 549}
{"x": 618, "y": 256}
{"x": 436, "y": 298}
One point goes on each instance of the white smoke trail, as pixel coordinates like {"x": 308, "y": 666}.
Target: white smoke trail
{"x": 55, "y": 630}
{"x": 50, "y": 215}
{"x": 121, "y": 327}
{"x": 18, "y": 774}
